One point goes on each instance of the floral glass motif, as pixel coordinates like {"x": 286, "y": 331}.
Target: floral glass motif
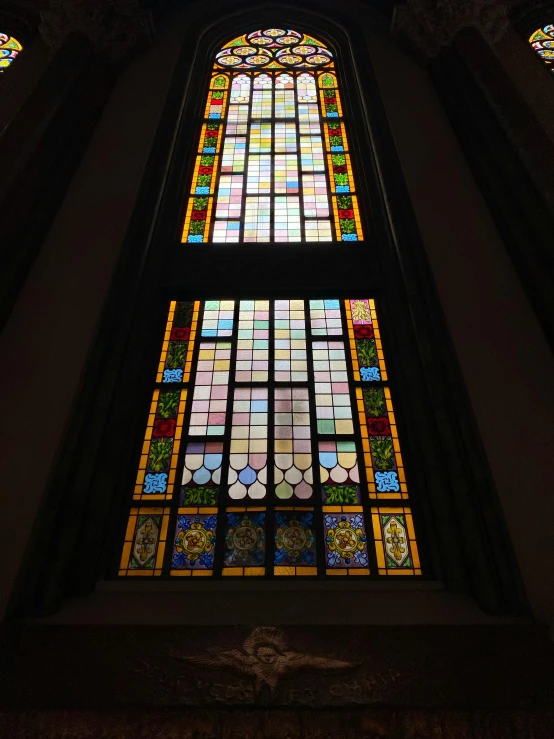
{"x": 294, "y": 541}
{"x": 245, "y": 542}
{"x": 345, "y": 538}
{"x": 542, "y": 40}
{"x": 9, "y": 49}
{"x": 272, "y": 138}
{"x": 194, "y": 541}
{"x": 262, "y": 395}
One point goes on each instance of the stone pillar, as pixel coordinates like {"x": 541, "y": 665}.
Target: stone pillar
{"x": 43, "y": 142}
{"x": 510, "y": 153}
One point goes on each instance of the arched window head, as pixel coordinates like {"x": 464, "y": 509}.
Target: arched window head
{"x": 542, "y": 40}
{"x": 9, "y": 49}
{"x": 273, "y": 161}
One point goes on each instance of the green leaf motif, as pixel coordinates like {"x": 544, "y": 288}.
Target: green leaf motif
{"x": 197, "y": 227}
{"x": 206, "y": 160}
{"x": 160, "y": 453}
{"x": 339, "y": 159}
{"x": 217, "y": 95}
{"x": 331, "y": 107}
{"x": 327, "y": 80}
{"x": 199, "y": 495}
{"x": 200, "y": 203}
{"x": 219, "y": 82}
{"x": 344, "y": 201}
{"x": 183, "y": 310}
{"x": 374, "y": 401}
{"x": 168, "y": 403}
{"x": 347, "y": 225}
{"x": 176, "y": 354}
{"x": 367, "y": 352}
{"x": 335, "y": 140}
{"x": 203, "y": 180}
{"x": 382, "y": 452}
{"x": 340, "y": 494}
{"x": 341, "y": 179}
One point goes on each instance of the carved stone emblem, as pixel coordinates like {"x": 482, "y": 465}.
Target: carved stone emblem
{"x": 265, "y": 659}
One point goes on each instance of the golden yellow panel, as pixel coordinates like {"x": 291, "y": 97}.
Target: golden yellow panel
{"x": 395, "y": 541}
{"x": 145, "y": 539}
{"x": 160, "y": 450}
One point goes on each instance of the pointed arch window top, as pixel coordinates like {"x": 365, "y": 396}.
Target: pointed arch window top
{"x": 274, "y": 48}
{"x": 9, "y": 49}
{"x": 542, "y": 40}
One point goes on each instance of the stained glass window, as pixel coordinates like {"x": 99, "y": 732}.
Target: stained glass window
{"x": 9, "y": 49}
{"x": 273, "y": 161}
{"x": 270, "y": 447}
{"x": 542, "y": 40}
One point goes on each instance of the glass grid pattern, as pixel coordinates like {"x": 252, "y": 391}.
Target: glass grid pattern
{"x": 278, "y": 474}
{"x": 276, "y": 133}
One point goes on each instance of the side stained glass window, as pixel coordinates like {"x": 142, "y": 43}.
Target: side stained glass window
{"x": 9, "y": 49}
{"x": 273, "y": 162}
{"x": 270, "y": 447}
{"x": 542, "y": 40}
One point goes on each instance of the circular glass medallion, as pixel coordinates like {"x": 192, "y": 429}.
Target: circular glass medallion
{"x": 304, "y": 50}
{"x": 260, "y": 40}
{"x": 318, "y": 59}
{"x": 274, "y": 32}
{"x": 244, "y": 51}
{"x": 290, "y": 59}
{"x": 287, "y": 40}
{"x": 257, "y": 60}
{"x": 229, "y": 61}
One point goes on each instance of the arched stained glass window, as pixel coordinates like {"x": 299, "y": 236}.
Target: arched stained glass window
{"x": 271, "y": 446}
{"x": 273, "y": 162}
{"x": 9, "y": 49}
{"x": 542, "y": 40}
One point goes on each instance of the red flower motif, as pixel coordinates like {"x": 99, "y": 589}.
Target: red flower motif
{"x": 180, "y": 333}
{"x": 346, "y": 213}
{"x": 164, "y": 427}
{"x": 217, "y": 102}
{"x": 378, "y": 426}
{"x": 363, "y": 332}
{"x": 340, "y": 168}
{"x": 198, "y": 215}
{"x": 330, "y": 101}
{"x": 205, "y": 170}
{"x": 211, "y": 134}
{"x": 334, "y": 132}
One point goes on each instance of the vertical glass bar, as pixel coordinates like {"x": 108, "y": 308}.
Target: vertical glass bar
{"x": 178, "y": 344}
{"x": 332, "y": 393}
{"x": 293, "y": 457}
{"x": 253, "y": 341}
{"x": 160, "y": 449}
{"x": 209, "y": 401}
{"x": 200, "y": 205}
{"x": 248, "y": 457}
{"x": 290, "y": 341}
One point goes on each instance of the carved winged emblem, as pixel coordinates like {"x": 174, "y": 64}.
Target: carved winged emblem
{"x": 265, "y": 658}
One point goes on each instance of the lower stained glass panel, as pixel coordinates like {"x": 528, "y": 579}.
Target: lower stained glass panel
{"x": 256, "y": 400}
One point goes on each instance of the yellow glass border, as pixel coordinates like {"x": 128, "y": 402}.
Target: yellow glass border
{"x": 143, "y": 463}
{"x": 355, "y": 208}
{"x": 166, "y": 340}
{"x": 207, "y": 222}
{"x": 337, "y": 123}
{"x": 130, "y": 534}
{"x": 209, "y": 101}
{"x": 202, "y": 141}
{"x": 379, "y": 538}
